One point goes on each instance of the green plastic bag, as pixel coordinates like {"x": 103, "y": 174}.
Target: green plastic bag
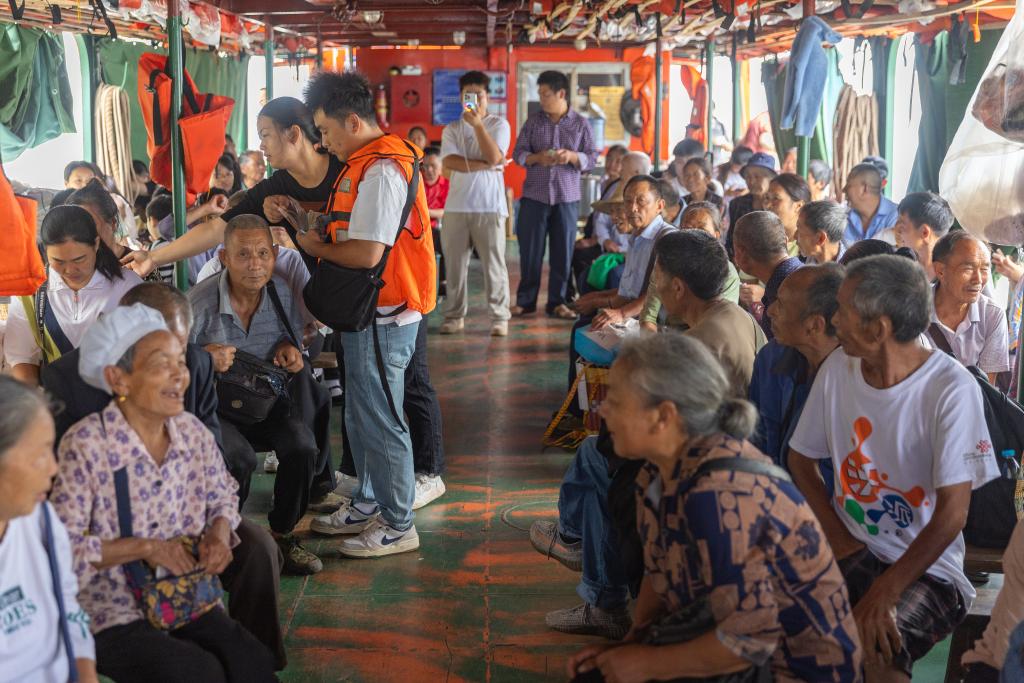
{"x": 599, "y": 270}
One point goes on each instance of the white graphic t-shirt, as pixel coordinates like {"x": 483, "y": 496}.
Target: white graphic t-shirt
{"x": 892, "y": 448}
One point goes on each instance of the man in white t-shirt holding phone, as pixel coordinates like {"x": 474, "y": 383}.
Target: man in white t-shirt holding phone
{"x": 905, "y": 429}
{"x": 473, "y": 150}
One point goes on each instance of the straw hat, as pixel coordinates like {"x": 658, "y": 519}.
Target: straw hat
{"x": 614, "y": 201}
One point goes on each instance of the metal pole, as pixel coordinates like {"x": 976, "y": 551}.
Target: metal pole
{"x": 803, "y": 155}
{"x": 268, "y": 57}
{"x": 175, "y": 63}
{"x": 737, "y": 96}
{"x": 709, "y": 59}
{"x": 657, "y": 95}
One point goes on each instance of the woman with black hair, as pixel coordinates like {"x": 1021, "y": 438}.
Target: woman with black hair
{"x": 290, "y": 143}
{"x": 227, "y": 175}
{"x": 787, "y": 194}
{"x": 84, "y": 279}
{"x": 100, "y": 204}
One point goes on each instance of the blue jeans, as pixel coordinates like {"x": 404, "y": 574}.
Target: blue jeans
{"x": 381, "y": 447}
{"x": 583, "y": 514}
{"x": 538, "y": 224}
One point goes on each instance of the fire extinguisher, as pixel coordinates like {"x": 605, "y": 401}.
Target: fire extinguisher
{"x": 381, "y": 105}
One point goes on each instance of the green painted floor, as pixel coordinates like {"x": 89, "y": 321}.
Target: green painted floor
{"x": 470, "y": 605}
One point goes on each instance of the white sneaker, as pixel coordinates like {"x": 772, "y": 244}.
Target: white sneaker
{"x": 428, "y": 489}
{"x": 270, "y": 463}
{"x": 379, "y": 540}
{"x": 346, "y": 520}
{"x": 347, "y": 485}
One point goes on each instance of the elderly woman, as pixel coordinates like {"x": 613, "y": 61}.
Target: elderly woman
{"x": 83, "y": 280}
{"x": 44, "y": 633}
{"x": 722, "y": 530}
{"x": 175, "y": 487}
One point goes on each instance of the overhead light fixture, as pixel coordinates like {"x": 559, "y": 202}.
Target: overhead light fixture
{"x": 372, "y": 16}
{"x": 580, "y": 44}
{"x": 459, "y": 37}
{"x": 413, "y": 42}
{"x": 383, "y": 34}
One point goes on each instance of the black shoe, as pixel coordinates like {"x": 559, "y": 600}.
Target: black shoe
{"x": 297, "y": 560}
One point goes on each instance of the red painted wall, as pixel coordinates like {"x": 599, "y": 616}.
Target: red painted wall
{"x": 375, "y": 63}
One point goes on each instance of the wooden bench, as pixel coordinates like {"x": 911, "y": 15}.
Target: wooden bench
{"x": 983, "y": 560}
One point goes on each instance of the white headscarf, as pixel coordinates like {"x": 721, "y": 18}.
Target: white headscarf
{"x": 110, "y": 337}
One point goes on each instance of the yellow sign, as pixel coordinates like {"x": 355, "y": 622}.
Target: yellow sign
{"x": 609, "y": 98}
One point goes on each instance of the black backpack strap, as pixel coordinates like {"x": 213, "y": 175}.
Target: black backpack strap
{"x": 58, "y": 593}
{"x": 275, "y": 299}
{"x": 939, "y": 339}
{"x": 741, "y": 464}
{"x": 47, "y": 323}
{"x": 17, "y": 11}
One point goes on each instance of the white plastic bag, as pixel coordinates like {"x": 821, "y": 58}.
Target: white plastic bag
{"x": 982, "y": 176}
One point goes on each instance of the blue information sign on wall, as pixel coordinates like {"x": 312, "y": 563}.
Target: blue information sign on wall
{"x": 448, "y": 104}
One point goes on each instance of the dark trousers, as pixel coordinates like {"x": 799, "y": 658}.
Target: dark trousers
{"x": 240, "y": 458}
{"x": 537, "y": 225}
{"x": 423, "y": 413}
{"x": 298, "y": 432}
{"x": 582, "y": 259}
{"x": 212, "y": 649}
{"x": 252, "y": 581}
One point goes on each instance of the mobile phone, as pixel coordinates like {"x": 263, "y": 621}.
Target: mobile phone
{"x": 471, "y": 101}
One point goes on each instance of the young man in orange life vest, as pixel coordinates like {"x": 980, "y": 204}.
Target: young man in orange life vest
{"x": 372, "y": 190}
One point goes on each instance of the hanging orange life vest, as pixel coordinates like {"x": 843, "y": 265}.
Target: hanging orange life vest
{"x": 410, "y": 275}
{"x": 21, "y": 266}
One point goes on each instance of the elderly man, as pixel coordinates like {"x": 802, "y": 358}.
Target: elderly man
{"x": 965, "y": 323}
{"x": 252, "y": 576}
{"x": 702, "y": 216}
{"x": 761, "y": 250}
{"x": 819, "y": 231}
{"x": 555, "y": 146}
{"x": 924, "y": 219}
{"x": 784, "y": 369}
{"x": 904, "y": 427}
{"x": 254, "y": 168}
{"x": 691, "y": 269}
{"x": 872, "y": 215}
{"x": 245, "y": 308}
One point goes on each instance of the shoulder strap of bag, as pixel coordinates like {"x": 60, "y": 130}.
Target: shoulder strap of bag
{"x": 58, "y": 593}
{"x": 158, "y": 126}
{"x": 740, "y": 464}
{"x": 49, "y": 320}
{"x": 939, "y": 339}
{"x": 136, "y": 571}
{"x": 275, "y": 299}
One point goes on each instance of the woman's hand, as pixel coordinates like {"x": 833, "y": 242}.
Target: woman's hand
{"x": 216, "y": 205}
{"x": 626, "y": 663}
{"x": 750, "y": 294}
{"x": 139, "y": 261}
{"x": 86, "y": 670}
{"x": 584, "y": 660}
{"x": 214, "y": 552}
{"x": 274, "y": 207}
{"x": 171, "y": 555}
{"x": 1007, "y": 267}
{"x": 223, "y": 356}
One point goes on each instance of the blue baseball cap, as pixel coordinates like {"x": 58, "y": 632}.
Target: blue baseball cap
{"x": 761, "y": 160}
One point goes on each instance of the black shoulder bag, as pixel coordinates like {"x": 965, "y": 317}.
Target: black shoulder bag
{"x": 251, "y": 387}
{"x": 47, "y": 323}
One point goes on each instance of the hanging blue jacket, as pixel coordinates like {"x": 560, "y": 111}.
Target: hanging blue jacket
{"x": 805, "y": 76}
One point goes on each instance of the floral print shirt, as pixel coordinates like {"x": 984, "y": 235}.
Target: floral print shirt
{"x": 179, "y": 498}
{"x": 752, "y": 546}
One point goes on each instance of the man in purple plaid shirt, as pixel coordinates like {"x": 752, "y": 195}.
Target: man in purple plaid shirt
{"x": 556, "y": 146}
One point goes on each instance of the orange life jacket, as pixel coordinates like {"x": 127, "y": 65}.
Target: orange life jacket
{"x": 21, "y": 266}
{"x": 410, "y": 275}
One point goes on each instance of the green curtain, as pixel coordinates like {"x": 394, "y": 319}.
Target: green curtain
{"x": 774, "y": 78}
{"x": 119, "y": 62}
{"x": 37, "y": 105}
{"x": 943, "y": 106}
{"x": 883, "y": 67}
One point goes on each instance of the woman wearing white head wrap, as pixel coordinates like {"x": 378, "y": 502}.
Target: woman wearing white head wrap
{"x": 178, "y": 488}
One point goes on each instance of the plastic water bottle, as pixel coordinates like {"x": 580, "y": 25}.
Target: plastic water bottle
{"x": 1011, "y": 468}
